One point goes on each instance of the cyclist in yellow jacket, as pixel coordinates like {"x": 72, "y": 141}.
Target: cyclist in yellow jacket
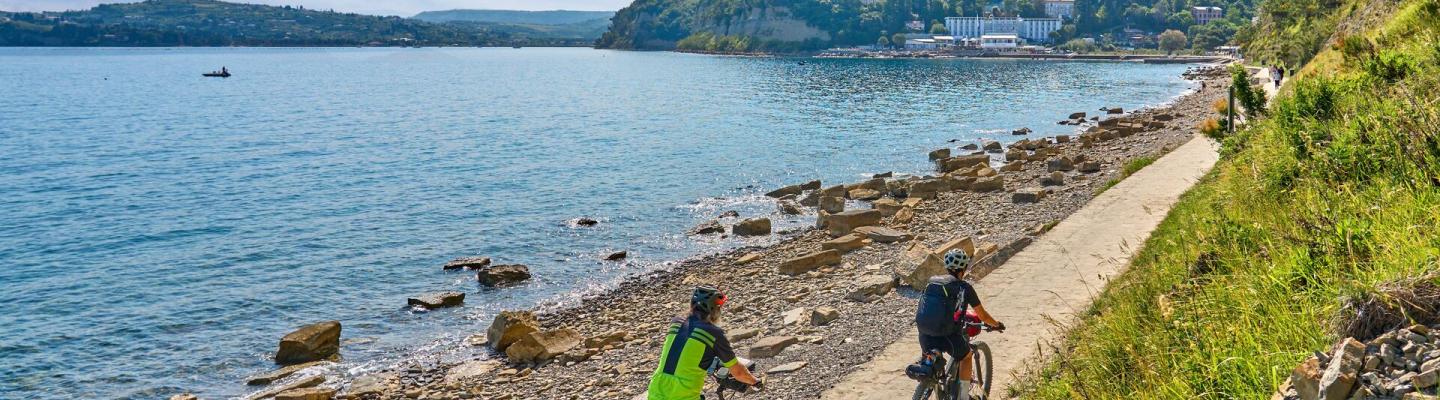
{"x": 694, "y": 347}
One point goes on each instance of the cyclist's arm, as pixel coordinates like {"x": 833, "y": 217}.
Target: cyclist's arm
{"x": 985, "y": 316}
{"x": 738, "y": 370}
{"x": 742, "y": 374}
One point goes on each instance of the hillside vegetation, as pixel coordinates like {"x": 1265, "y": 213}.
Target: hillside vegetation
{"x": 554, "y": 17}
{"x": 216, "y": 23}
{"x": 580, "y": 25}
{"x": 1319, "y": 222}
{"x": 777, "y": 24}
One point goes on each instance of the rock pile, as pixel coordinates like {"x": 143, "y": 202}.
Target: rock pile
{"x": 1401, "y": 364}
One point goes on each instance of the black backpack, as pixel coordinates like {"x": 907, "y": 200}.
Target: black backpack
{"x": 939, "y": 304}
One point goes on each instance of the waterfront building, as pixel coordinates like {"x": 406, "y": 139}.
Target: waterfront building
{"x": 1029, "y": 29}
{"x": 1203, "y": 15}
{"x": 1000, "y": 41}
{"x": 1060, "y": 8}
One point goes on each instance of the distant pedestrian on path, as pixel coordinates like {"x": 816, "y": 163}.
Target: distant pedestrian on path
{"x": 1280, "y": 78}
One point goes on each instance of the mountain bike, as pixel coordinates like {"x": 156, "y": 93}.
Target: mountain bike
{"x": 941, "y": 382}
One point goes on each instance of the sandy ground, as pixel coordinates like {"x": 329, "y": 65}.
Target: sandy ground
{"x": 1055, "y": 278}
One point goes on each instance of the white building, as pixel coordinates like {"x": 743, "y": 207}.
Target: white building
{"x": 1060, "y": 8}
{"x": 1203, "y": 15}
{"x": 1031, "y": 29}
{"x": 1000, "y": 41}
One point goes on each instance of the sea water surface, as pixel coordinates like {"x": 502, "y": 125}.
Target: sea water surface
{"x": 160, "y": 231}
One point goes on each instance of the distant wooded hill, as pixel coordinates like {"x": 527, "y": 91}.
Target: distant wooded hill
{"x": 217, "y": 23}
{"x": 586, "y": 25}
{"x": 555, "y": 17}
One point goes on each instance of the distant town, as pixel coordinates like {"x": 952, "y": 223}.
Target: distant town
{"x": 997, "y": 35}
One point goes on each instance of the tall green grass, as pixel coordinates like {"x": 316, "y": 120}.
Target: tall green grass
{"x": 1328, "y": 203}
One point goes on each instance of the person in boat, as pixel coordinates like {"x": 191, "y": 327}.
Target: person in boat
{"x": 224, "y": 71}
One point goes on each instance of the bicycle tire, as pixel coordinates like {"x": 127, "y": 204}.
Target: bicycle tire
{"x": 922, "y": 391}
{"x": 983, "y": 367}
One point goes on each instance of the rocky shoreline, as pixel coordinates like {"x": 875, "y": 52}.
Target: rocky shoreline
{"x": 815, "y": 305}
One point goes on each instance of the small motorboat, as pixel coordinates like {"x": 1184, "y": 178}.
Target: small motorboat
{"x": 222, "y": 73}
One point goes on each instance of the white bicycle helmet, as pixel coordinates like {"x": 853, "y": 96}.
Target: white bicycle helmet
{"x": 956, "y": 260}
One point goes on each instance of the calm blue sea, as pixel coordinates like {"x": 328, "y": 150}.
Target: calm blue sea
{"x": 159, "y": 231}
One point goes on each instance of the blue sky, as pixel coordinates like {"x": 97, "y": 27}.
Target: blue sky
{"x": 385, "y": 7}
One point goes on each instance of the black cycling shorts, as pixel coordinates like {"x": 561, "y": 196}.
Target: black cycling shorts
{"x": 958, "y": 345}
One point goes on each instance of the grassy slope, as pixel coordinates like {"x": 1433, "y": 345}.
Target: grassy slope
{"x": 1329, "y": 205}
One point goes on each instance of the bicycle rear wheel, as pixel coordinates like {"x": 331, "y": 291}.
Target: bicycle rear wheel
{"x": 984, "y": 369}
{"x": 922, "y": 391}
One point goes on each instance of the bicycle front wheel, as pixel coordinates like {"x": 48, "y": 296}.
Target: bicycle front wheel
{"x": 984, "y": 369}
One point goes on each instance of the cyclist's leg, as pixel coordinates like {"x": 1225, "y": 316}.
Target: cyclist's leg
{"x": 962, "y": 354}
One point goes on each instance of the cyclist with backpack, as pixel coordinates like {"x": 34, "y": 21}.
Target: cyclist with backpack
{"x": 939, "y": 318}
{"x": 695, "y": 347}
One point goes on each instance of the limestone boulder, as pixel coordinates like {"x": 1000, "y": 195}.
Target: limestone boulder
{"x": 314, "y": 342}
{"x": 609, "y": 339}
{"x": 1056, "y": 178}
{"x": 822, "y": 316}
{"x": 313, "y": 393}
{"x": 752, "y": 227}
{"x": 847, "y": 243}
{"x": 940, "y": 154}
{"x": 1062, "y": 138}
{"x": 987, "y": 184}
{"x": 834, "y": 191}
{"x": 1340, "y": 376}
{"x": 1306, "y": 379}
{"x": 832, "y": 204}
{"x": 928, "y": 188}
{"x": 617, "y": 256}
{"x": 955, "y": 163}
{"x": 811, "y": 185}
{"x": 1116, "y": 110}
{"x": 1059, "y": 164}
{"x": 437, "y": 300}
{"x": 542, "y": 345}
{"x": 711, "y": 227}
{"x": 992, "y": 146}
{"x": 970, "y": 146}
{"x": 904, "y": 216}
{"x": 771, "y": 346}
{"x": 792, "y": 190}
{"x": 882, "y": 234}
{"x": 871, "y": 288}
{"x": 865, "y": 194}
{"x": 276, "y": 375}
{"x": 886, "y": 207}
{"x": 1027, "y": 195}
{"x": 809, "y": 262}
{"x": 470, "y": 371}
{"x": 789, "y": 207}
{"x": 1021, "y": 131}
{"x": 1013, "y": 166}
{"x": 842, "y": 223}
{"x": 503, "y": 275}
{"x": 509, "y": 327}
{"x": 468, "y": 263}
{"x": 1090, "y": 167}
{"x": 1016, "y": 155}
{"x": 1078, "y": 115}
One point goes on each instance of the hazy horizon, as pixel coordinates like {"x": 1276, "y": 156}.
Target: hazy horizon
{"x": 381, "y": 7}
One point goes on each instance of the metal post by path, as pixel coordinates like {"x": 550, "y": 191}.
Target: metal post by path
{"x": 1230, "y": 111}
